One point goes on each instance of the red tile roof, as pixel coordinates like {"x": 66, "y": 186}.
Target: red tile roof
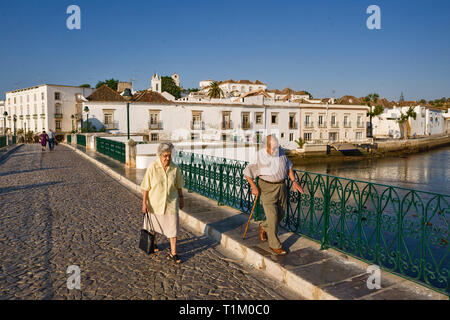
{"x": 105, "y": 93}
{"x": 149, "y": 96}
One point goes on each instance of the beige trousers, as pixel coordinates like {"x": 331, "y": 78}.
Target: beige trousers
{"x": 274, "y": 201}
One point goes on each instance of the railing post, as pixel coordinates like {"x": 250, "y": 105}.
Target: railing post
{"x": 377, "y": 229}
{"x": 130, "y": 153}
{"x": 325, "y": 244}
{"x": 221, "y": 184}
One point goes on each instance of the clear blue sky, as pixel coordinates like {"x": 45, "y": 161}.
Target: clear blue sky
{"x": 318, "y": 46}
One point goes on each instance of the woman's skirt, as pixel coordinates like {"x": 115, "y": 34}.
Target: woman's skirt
{"x": 165, "y": 224}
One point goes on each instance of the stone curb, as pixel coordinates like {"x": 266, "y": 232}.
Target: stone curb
{"x": 5, "y": 155}
{"x": 274, "y": 270}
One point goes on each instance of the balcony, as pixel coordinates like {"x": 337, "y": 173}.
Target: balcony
{"x": 322, "y": 124}
{"x": 58, "y": 115}
{"x": 197, "y": 125}
{"x": 111, "y": 126}
{"x": 35, "y": 116}
{"x": 245, "y": 125}
{"x": 21, "y": 117}
{"x": 42, "y": 115}
{"x": 335, "y": 124}
{"x": 227, "y": 125}
{"x": 309, "y": 124}
{"x": 347, "y": 124}
{"x": 155, "y": 126}
{"x": 28, "y": 117}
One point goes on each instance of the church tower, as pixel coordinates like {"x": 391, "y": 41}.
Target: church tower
{"x": 176, "y": 79}
{"x": 156, "y": 83}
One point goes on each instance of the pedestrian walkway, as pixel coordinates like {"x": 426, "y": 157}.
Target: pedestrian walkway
{"x": 313, "y": 273}
{"x": 58, "y": 209}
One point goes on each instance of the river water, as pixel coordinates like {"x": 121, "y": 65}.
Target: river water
{"x": 428, "y": 171}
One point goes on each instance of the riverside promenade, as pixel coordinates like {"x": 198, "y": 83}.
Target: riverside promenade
{"x": 77, "y": 207}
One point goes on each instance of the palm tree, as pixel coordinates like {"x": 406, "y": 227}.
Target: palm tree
{"x": 215, "y": 92}
{"x": 371, "y": 99}
{"x": 403, "y": 121}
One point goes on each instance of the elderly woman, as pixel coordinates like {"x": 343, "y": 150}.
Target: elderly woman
{"x": 162, "y": 196}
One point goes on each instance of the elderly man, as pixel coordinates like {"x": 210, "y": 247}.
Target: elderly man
{"x": 272, "y": 166}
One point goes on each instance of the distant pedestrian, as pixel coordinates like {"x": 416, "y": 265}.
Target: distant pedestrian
{"x": 272, "y": 166}
{"x": 51, "y": 139}
{"x": 44, "y": 139}
{"x": 162, "y": 197}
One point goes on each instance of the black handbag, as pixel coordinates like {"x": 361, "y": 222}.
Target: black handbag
{"x": 147, "y": 241}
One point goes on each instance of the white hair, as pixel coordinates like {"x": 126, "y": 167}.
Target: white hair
{"x": 164, "y": 147}
{"x": 273, "y": 140}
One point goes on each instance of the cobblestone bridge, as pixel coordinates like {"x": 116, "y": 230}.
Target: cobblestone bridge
{"x": 57, "y": 209}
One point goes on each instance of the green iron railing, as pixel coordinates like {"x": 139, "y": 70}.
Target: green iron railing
{"x": 69, "y": 139}
{"x": 404, "y": 231}
{"x": 111, "y": 148}
{"x": 14, "y": 139}
{"x": 3, "y": 141}
{"x": 81, "y": 139}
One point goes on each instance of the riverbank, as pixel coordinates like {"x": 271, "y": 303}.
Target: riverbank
{"x": 391, "y": 148}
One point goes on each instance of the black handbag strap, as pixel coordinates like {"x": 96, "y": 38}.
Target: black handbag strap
{"x": 150, "y": 223}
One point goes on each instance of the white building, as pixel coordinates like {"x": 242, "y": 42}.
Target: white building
{"x": 428, "y": 121}
{"x": 240, "y": 120}
{"x": 243, "y": 88}
{"x": 328, "y": 123}
{"x": 2, "y": 110}
{"x": 45, "y": 107}
{"x": 232, "y": 88}
{"x": 446, "y": 116}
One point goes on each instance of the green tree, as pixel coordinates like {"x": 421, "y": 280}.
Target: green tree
{"x": 310, "y": 95}
{"x": 215, "y": 92}
{"x": 300, "y": 142}
{"x": 405, "y": 128}
{"x": 112, "y": 83}
{"x": 87, "y": 85}
{"x": 370, "y": 100}
{"x": 168, "y": 85}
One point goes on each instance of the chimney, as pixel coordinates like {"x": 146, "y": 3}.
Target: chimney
{"x": 121, "y": 86}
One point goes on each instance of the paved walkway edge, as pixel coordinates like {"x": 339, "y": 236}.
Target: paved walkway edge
{"x": 274, "y": 270}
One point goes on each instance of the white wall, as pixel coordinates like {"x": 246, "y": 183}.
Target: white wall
{"x": 124, "y": 138}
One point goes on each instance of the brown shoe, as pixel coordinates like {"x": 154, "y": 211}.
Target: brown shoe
{"x": 279, "y": 251}
{"x": 262, "y": 234}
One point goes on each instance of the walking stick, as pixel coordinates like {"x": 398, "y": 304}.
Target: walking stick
{"x": 248, "y": 222}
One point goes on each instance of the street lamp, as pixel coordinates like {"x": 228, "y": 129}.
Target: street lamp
{"x": 127, "y": 95}
{"x": 15, "y": 120}
{"x": 73, "y": 127}
{"x": 86, "y": 109}
{"x": 5, "y": 114}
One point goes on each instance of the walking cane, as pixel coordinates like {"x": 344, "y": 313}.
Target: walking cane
{"x": 248, "y": 222}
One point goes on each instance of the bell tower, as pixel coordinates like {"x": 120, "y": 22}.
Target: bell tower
{"x": 156, "y": 83}
{"x": 176, "y": 79}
